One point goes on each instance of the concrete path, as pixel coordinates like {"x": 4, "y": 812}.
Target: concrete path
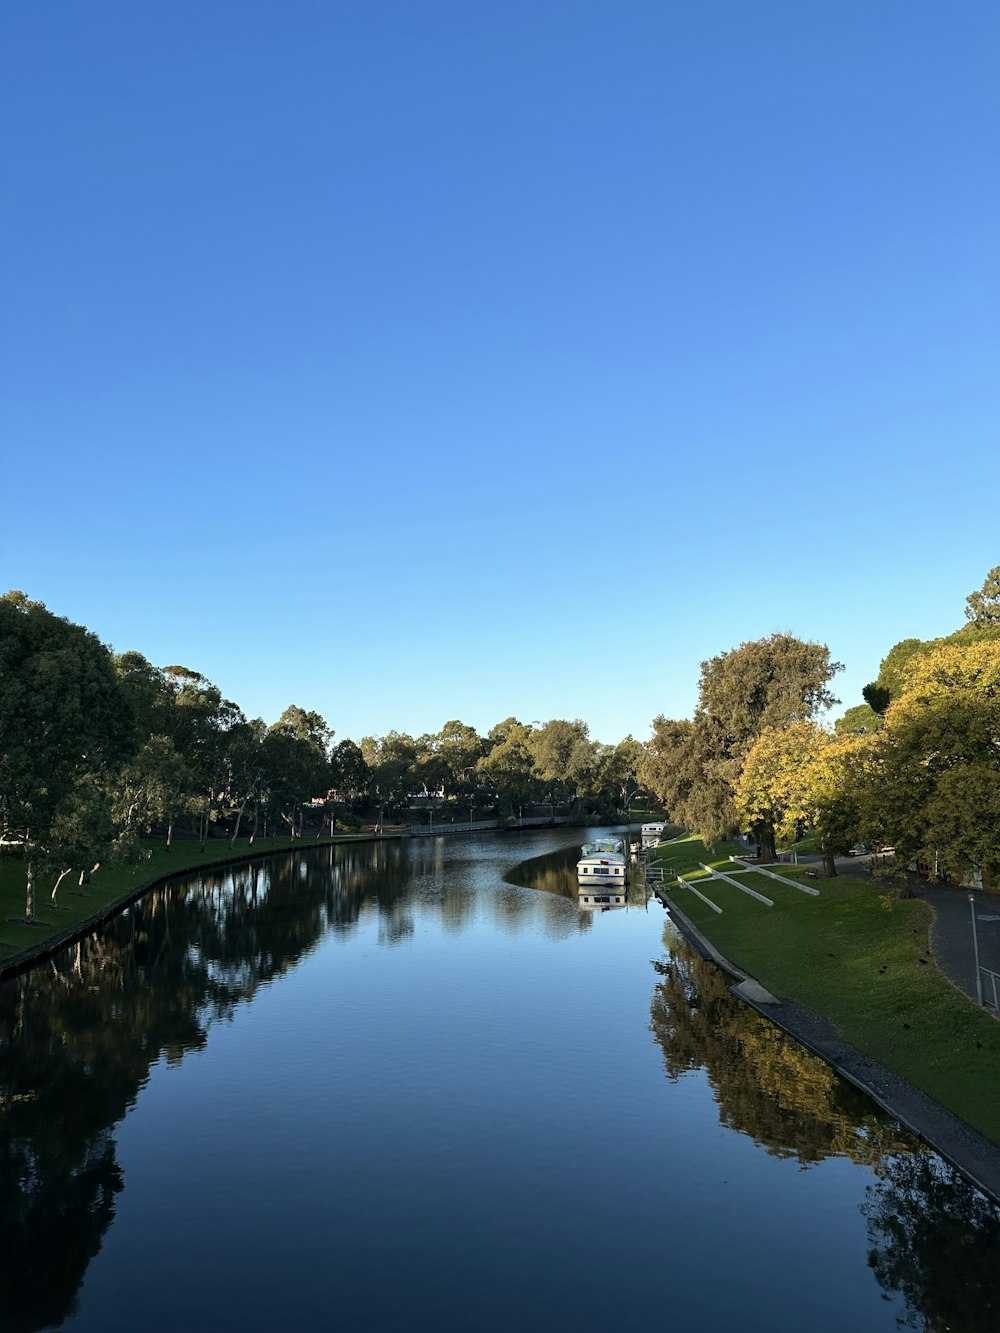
{"x": 951, "y": 934}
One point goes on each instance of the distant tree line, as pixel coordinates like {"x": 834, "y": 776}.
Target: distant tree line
{"x": 915, "y": 767}
{"x": 99, "y": 749}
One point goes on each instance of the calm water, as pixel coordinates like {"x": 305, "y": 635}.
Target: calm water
{"x": 386, "y": 1088}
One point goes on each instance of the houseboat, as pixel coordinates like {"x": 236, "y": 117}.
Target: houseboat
{"x": 602, "y": 862}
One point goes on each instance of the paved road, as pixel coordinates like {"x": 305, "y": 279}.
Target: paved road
{"x": 951, "y": 934}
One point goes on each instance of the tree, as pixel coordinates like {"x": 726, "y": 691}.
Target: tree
{"x": 982, "y": 608}
{"x": 390, "y": 759}
{"x": 459, "y": 747}
{"x": 294, "y": 763}
{"x": 348, "y": 771}
{"x": 694, "y": 767}
{"x": 800, "y": 777}
{"x": 155, "y": 787}
{"x": 561, "y": 752}
{"x": 509, "y": 765}
{"x": 63, "y": 715}
{"x": 305, "y": 726}
{"x": 877, "y": 697}
{"x": 933, "y": 782}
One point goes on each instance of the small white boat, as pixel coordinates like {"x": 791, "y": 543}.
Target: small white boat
{"x": 650, "y": 832}
{"x": 602, "y": 862}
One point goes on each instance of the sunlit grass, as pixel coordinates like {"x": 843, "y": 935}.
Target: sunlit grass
{"x": 865, "y": 965}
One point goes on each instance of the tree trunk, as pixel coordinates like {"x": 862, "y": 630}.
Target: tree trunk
{"x": 829, "y": 865}
{"x": 29, "y": 902}
{"x": 236, "y": 831}
{"x": 62, "y": 876}
{"x": 170, "y": 833}
{"x": 764, "y": 835}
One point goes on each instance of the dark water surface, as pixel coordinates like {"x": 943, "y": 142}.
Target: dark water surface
{"x": 383, "y": 1087}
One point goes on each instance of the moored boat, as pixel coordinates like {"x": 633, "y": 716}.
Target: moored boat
{"x": 602, "y": 861}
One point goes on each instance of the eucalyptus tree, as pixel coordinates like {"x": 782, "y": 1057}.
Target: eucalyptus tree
{"x": 349, "y": 774}
{"x": 562, "y": 752}
{"x": 459, "y": 747}
{"x": 509, "y": 764}
{"x": 391, "y": 761}
{"x": 617, "y": 770}
{"x": 295, "y": 763}
{"x": 63, "y": 716}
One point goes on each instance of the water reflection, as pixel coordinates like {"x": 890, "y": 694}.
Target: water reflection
{"x": 79, "y": 1037}
{"x": 555, "y": 873}
{"x": 935, "y": 1242}
{"x": 934, "y": 1239}
{"x": 766, "y": 1085}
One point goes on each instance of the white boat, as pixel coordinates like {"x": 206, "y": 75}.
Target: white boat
{"x": 652, "y": 831}
{"x": 602, "y": 862}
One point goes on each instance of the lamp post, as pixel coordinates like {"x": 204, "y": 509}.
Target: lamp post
{"x": 975, "y": 951}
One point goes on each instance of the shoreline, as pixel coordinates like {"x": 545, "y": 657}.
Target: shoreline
{"x": 25, "y": 959}
{"x": 28, "y": 958}
{"x": 971, "y": 1153}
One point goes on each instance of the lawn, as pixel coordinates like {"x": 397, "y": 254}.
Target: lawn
{"x": 109, "y": 883}
{"x": 863, "y": 964}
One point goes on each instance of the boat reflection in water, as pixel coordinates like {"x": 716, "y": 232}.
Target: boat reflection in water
{"x": 601, "y": 902}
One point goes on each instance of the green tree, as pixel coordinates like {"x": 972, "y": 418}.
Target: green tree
{"x": 562, "y": 753}
{"x": 349, "y": 773}
{"x": 294, "y": 764}
{"x": 982, "y": 608}
{"x": 509, "y": 765}
{"x": 63, "y": 715}
{"x": 932, "y": 784}
{"x": 769, "y": 683}
{"x": 390, "y": 760}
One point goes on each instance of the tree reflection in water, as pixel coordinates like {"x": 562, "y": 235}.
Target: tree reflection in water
{"x": 79, "y": 1035}
{"x": 936, "y": 1242}
{"x": 934, "y": 1239}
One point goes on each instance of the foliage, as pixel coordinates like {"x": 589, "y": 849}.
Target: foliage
{"x": 982, "y": 608}
{"x": 861, "y": 718}
{"x": 800, "y": 777}
{"x": 694, "y": 767}
{"x": 933, "y": 782}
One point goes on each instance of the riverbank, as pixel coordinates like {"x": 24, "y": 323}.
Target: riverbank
{"x": 971, "y": 1153}
{"x": 858, "y": 960}
{"x": 80, "y": 910}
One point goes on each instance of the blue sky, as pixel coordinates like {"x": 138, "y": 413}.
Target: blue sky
{"x": 414, "y": 360}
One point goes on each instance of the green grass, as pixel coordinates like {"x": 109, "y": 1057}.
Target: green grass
{"x": 866, "y": 968}
{"x": 110, "y": 882}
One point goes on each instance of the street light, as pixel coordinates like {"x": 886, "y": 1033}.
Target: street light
{"x": 975, "y": 950}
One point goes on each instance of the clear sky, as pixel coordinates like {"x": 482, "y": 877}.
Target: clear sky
{"x": 420, "y": 359}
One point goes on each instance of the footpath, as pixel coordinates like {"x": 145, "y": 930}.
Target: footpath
{"x": 976, "y": 1157}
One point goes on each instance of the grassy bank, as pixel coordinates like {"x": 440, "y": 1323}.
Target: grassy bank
{"x": 864, "y": 965}
{"x": 75, "y": 905}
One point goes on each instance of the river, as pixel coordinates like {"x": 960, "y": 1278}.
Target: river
{"x": 385, "y": 1087}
